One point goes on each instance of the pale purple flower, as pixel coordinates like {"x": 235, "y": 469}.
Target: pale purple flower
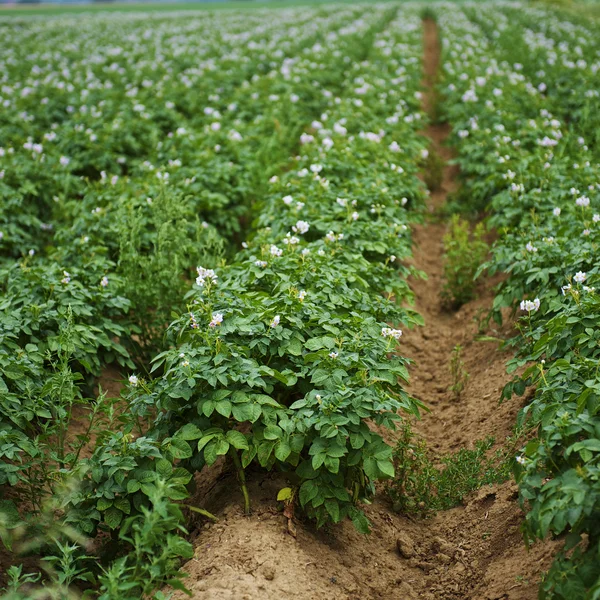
{"x": 217, "y": 319}
{"x": 204, "y": 275}
{"x": 530, "y": 247}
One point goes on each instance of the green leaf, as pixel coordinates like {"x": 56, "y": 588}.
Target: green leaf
{"x": 370, "y": 468}
{"x": 176, "y": 492}
{"x": 319, "y": 343}
{"x": 9, "y": 515}
{"x": 246, "y": 412}
{"x": 237, "y": 439}
{"x": 208, "y": 406}
{"x": 164, "y": 467}
{"x": 308, "y": 491}
{"x": 284, "y": 494}
{"x": 189, "y": 432}
{"x": 333, "y": 508}
{"x": 386, "y": 467}
{"x": 248, "y": 456}
{"x": 264, "y": 453}
{"x": 282, "y": 450}
{"x": 210, "y": 453}
{"x": 224, "y": 408}
{"x": 103, "y": 504}
{"x": 222, "y": 447}
{"x": 113, "y": 517}
{"x": 295, "y": 347}
{"x": 272, "y": 432}
{"x": 360, "y": 521}
{"x": 123, "y": 505}
{"x": 180, "y": 448}
{"x": 133, "y": 486}
{"x": 320, "y": 375}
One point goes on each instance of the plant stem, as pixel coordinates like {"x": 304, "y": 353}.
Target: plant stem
{"x": 241, "y": 478}
{"x": 203, "y": 512}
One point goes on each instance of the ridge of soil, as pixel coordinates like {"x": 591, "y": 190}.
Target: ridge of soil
{"x": 472, "y": 552}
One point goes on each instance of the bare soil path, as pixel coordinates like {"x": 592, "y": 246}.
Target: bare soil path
{"x": 472, "y": 552}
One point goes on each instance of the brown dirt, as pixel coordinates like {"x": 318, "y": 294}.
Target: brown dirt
{"x": 472, "y": 552}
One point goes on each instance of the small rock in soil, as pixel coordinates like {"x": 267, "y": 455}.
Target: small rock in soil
{"x": 405, "y": 545}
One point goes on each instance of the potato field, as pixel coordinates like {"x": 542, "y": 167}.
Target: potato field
{"x": 298, "y": 301}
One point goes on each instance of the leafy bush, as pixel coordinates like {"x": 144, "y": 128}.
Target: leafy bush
{"x": 149, "y": 540}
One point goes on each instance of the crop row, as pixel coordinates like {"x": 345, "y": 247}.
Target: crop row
{"x": 106, "y": 256}
{"x": 521, "y": 90}
{"x": 286, "y": 354}
{"x": 131, "y": 163}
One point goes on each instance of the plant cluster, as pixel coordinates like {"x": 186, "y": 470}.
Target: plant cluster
{"x": 464, "y": 252}
{"x": 524, "y": 103}
{"x": 424, "y": 483}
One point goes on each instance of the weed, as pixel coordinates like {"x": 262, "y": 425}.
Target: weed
{"x": 459, "y": 374}
{"x": 421, "y": 487}
{"x": 433, "y": 170}
{"x": 464, "y": 252}
{"x": 152, "y": 265}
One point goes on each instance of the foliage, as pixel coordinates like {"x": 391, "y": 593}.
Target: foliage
{"x": 285, "y": 353}
{"x": 150, "y": 542}
{"x": 157, "y": 548}
{"x": 171, "y": 151}
{"x": 421, "y": 486}
{"x": 464, "y": 252}
{"x": 433, "y": 168}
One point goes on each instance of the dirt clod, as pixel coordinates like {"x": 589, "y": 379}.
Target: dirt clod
{"x": 405, "y": 546}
